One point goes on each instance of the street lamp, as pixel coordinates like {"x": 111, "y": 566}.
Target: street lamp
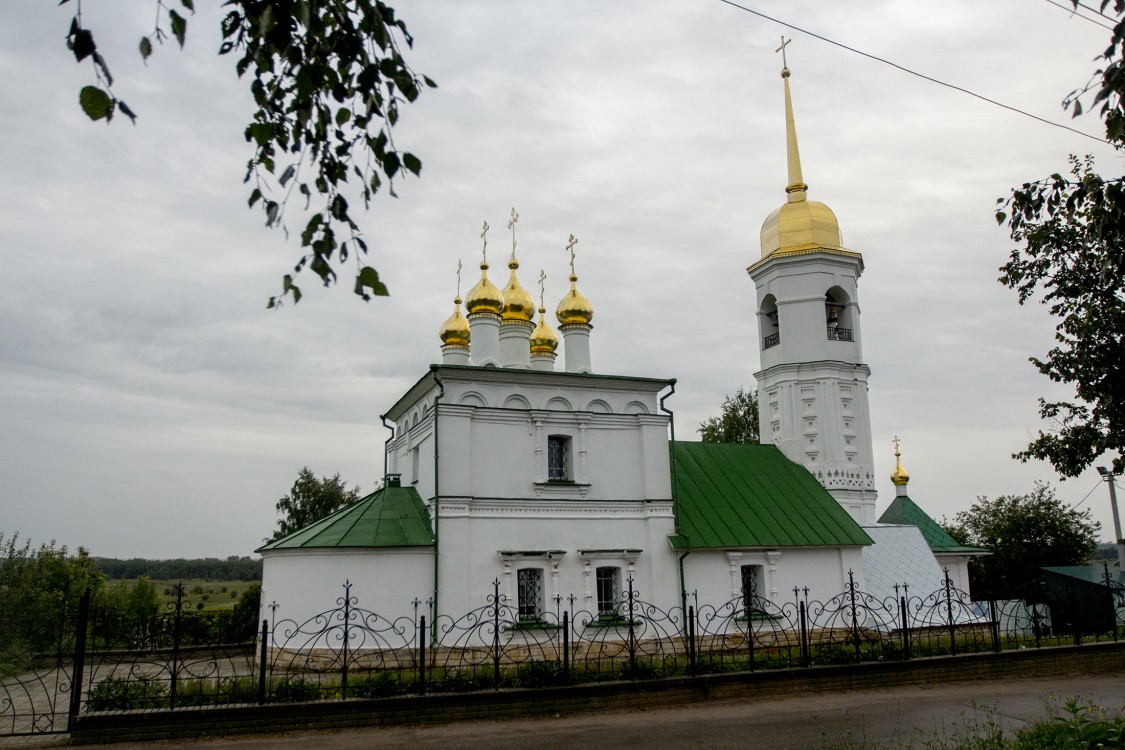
{"x": 1108, "y": 476}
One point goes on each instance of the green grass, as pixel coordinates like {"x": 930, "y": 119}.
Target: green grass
{"x": 199, "y": 593}
{"x": 1078, "y": 726}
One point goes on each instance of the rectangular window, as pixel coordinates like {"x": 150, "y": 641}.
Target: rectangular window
{"x": 607, "y": 589}
{"x": 415, "y": 456}
{"x": 529, "y": 593}
{"x": 558, "y": 465}
{"x": 751, "y": 585}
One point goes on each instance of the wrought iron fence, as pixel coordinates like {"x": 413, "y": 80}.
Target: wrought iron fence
{"x": 348, "y": 651}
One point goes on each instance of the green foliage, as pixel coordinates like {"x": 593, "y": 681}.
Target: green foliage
{"x": 1071, "y": 232}
{"x": 294, "y": 690}
{"x": 738, "y": 422}
{"x": 125, "y": 614}
{"x": 233, "y": 568}
{"x": 1024, "y": 533}
{"x": 122, "y": 694}
{"x": 39, "y": 593}
{"x": 328, "y": 78}
{"x": 378, "y": 685}
{"x": 310, "y": 500}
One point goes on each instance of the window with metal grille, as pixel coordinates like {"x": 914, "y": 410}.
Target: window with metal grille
{"x": 558, "y": 448}
{"x": 529, "y": 593}
{"x": 607, "y": 589}
{"x": 750, "y": 585}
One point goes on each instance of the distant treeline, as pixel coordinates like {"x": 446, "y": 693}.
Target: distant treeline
{"x": 231, "y": 569}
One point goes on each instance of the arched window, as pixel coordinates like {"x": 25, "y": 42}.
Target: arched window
{"x": 770, "y": 325}
{"x": 837, "y": 315}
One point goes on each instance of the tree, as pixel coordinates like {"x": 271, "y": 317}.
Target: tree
{"x": 39, "y": 593}
{"x": 1073, "y": 257}
{"x": 738, "y": 422}
{"x": 328, "y": 77}
{"x": 1023, "y": 533}
{"x": 310, "y": 500}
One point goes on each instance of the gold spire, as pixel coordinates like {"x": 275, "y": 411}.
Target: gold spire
{"x": 518, "y": 304}
{"x": 574, "y": 309}
{"x": 899, "y": 477}
{"x": 455, "y": 330}
{"x": 484, "y": 297}
{"x": 800, "y": 224}
{"x": 544, "y": 340}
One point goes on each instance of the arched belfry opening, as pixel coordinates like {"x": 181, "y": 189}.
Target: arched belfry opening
{"x": 768, "y": 323}
{"x": 838, "y": 315}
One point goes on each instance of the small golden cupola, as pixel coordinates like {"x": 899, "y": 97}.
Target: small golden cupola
{"x": 900, "y": 477}
{"x": 800, "y": 224}
{"x": 544, "y": 340}
{"x": 454, "y": 332}
{"x": 484, "y": 297}
{"x": 574, "y": 309}
{"x": 484, "y": 305}
{"x": 518, "y": 304}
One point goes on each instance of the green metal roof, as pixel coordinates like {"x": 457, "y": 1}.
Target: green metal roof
{"x": 1090, "y": 573}
{"x": 393, "y": 516}
{"x": 905, "y": 512}
{"x": 749, "y": 495}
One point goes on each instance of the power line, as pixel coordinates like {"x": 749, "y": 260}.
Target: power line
{"x": 1091, "y": 492}
{"x": 1074, "y": 12}
{"x": 912, "y": 72}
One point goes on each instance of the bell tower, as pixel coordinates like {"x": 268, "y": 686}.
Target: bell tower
{"x": 812, "y": 388}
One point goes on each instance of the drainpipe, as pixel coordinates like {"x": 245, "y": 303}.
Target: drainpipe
{"x": 437, "y": 497}
{"x": 672, "y": 464}
{"x": 386, "y": 446}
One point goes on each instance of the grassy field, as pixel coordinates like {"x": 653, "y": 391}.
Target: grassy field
{"x": 199, "y": 594}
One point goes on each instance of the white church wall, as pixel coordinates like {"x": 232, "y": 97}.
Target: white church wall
{"x": 715, "y": 576}
{"x": 306, "y": 582}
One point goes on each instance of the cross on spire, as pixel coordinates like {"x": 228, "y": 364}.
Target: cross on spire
{"x": 570, "y": 249}
{"x": 542, "y": 278}
{"x": 896, "y": 442}
{"x": 784, "y": 43}
{"x": 512, "y": 225}
{"x": 458, "y": 277}
{"x": 484, "y": 236}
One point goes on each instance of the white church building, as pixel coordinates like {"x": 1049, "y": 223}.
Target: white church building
{"x": 566, "y": 485}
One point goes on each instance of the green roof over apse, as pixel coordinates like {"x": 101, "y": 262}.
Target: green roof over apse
{"x": 749, "y": 495}
{"x": 905, "y": 512}
{"x": 393, "y": 516}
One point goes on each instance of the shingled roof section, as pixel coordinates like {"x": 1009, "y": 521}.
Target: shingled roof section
{"x": 749, "y": 495}
{"x": 905, "y": 512}
{"x": 393, "y": 516}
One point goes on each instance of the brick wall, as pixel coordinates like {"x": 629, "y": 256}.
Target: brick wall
{"x": 610, "y": 696}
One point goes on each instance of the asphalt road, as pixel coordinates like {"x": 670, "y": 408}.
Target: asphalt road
{"x": 897, "y": 718}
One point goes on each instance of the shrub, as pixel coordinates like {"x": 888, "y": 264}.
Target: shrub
{"x": 377, "y": 685}
{"x": 294, "y": 690}
{"x": 120, "y": 694}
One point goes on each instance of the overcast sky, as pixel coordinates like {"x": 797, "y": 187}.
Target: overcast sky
{"x": 151, "y": 406}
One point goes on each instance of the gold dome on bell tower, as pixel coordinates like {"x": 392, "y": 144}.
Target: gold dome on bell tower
{"x": 800, "y": 224}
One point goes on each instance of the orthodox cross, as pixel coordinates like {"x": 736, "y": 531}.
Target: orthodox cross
{"x": 784, "y": 43}
{"x": 512, "y": 225}
{"x": 542, "y": 278}
{"x": 570, "y": 248}
{"x": 458, "y": 277}
{"x": 896, "y": 441}
{"x": 484, "y": 236}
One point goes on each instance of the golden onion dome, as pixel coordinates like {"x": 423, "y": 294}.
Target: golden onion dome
{"x": 574, "y": 309}
{"x": 801, "y": 225}
{"x": 900, "y": 478}
{"x": 484, "y": 297}
{"x": 518, "y": 304}
{"x": 544, "y": 340}
{"x": 455, "y": 330}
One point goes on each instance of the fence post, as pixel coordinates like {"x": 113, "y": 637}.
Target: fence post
{"x": 262, "y": 663}
{"x": 422, "y": 656}
{"x": 904, "y": 614}
{"x": 806, "y": 656}
{"x": 79, "y": 664}
{"x": 855, "y": 618}
{"x": 176, "y": 643}
{"x": 691, "y": 640}
{"x": 994, "y": 616}
{"x": 949, "y": 613}
{"x": 566, "y": 647}
{"x": 1112, "y": 603}
{"x": 496, "y": 634}
{"x": 632, "y": 636}
{"x": 347, "y": 634}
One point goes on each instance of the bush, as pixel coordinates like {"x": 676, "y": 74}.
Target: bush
{"x": 377, "y": 685}
{"x": 294, "y": 690}
{"x": 120, "y": 694}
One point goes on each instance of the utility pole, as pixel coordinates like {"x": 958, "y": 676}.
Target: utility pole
{"x": 1108, "y": 476}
